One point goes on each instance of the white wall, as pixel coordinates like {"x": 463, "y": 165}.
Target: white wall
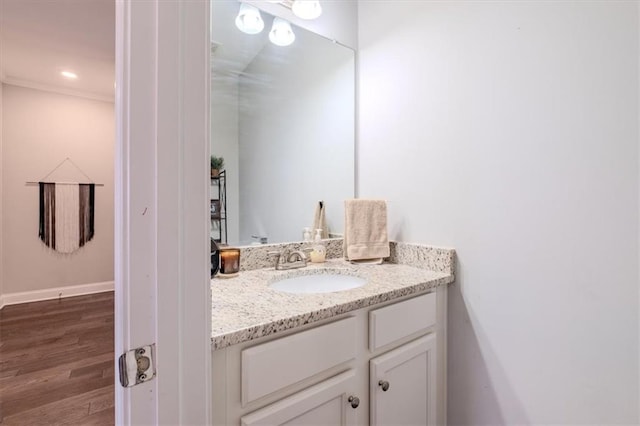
{"x": 296, "y": 138}
{"x": 40, "y": 129}
{"x": 509, "y": 130}
{"x": 224, "y": 143}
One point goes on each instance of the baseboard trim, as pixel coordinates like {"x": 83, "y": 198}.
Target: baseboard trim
{"x": 55, "y": 293}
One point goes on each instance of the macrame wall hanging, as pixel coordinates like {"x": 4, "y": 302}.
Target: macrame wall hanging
{"x": 67, "y": 212}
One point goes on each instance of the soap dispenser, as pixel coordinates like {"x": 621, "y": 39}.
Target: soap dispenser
{"x": 306, "y": 235}
{"x": 318, "y": 251}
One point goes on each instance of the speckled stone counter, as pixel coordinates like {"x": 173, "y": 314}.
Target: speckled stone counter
{"x": 245, "y": 308}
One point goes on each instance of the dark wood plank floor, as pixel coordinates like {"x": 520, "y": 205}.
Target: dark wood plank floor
{"x": 56, "y": 362}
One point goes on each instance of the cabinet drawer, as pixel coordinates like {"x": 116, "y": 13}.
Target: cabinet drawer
{"x": 323, "y": 404}
{"x": 400, "y": 320}
{"x": 271, "y": 366}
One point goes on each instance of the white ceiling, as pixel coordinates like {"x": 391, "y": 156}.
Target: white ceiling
{"x": 41, "y": 38}
{"x": 234, "y": 50}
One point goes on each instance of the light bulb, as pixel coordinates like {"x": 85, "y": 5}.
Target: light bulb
{"x": 281, "y": 33}
{"x": 249, "y": 20}
{"x": 306, "y": 9}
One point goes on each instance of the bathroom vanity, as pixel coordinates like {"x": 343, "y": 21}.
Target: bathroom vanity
{"x": 371, "y": 354}
{"x": 375, "y": 354}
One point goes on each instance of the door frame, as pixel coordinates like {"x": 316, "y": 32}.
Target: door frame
{"x": 161, "y": 224}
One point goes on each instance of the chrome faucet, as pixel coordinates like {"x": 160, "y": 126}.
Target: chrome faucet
{"x": 289, "y": 259}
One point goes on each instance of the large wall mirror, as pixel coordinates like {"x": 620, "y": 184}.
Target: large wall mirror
{"x": 283, "y": 119}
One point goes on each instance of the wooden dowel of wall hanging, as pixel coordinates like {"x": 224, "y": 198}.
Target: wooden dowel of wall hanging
{"x": 67, "y": 183}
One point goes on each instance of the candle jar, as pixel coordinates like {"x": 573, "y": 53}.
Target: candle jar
{"x": 229, "y": 261}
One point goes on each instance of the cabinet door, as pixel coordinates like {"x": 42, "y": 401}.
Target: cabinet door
{"x": 326, "y": 403}
{"x": 409, "y": 376}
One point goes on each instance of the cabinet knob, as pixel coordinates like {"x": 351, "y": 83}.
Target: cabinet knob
{"x": 355, "y": 401}
{"x": 384, "y": 385}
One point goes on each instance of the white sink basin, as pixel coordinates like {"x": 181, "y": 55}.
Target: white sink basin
{"x": 318, "y": 283}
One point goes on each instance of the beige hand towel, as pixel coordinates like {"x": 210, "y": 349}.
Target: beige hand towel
{"x": 365, "y": 229}
{"x": 319, "y": 220}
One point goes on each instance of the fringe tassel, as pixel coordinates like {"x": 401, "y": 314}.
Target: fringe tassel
{"x": 67, "y": 215}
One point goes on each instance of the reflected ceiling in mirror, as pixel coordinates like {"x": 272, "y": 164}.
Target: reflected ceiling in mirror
{"x": 283, "y": 119}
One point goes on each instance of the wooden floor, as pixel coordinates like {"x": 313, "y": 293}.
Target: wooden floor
{"x": 56, "y": 362}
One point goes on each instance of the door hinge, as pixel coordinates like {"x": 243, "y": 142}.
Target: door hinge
{"x": 137, "y": 366}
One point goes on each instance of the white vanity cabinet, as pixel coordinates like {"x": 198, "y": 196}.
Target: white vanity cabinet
{"x": 335, "y": 372}
{"x": 403, "y": 381}
{"x": 403, "y": 385}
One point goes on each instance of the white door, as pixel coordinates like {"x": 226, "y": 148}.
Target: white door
{"x": 331, "y": 402}
{"x": 403, "y": 385}
{"x": 162, "y": 156}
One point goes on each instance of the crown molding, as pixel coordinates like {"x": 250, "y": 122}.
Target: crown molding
{"x": 55, "y": 89}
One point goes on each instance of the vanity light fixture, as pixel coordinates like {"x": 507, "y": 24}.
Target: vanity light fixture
{"x": 249, "y": 20}
{"x": 306, "y": 9}
{"x": 281, "y": 33}
{"x": 70, "y": 75}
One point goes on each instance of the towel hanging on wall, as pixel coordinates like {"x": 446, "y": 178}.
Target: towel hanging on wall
{"x": 365, "y": 230}
{"x": 67, "y": 215}
{"x": 319, "y": 220}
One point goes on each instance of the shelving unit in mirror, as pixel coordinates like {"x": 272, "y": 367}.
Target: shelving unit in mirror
{"x": 219, "y": 207}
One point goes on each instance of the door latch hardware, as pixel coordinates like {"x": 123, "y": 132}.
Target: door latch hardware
{"x": 137, "y": 366}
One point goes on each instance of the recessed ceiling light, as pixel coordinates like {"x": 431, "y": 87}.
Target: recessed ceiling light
{"x": 69, "y": 74}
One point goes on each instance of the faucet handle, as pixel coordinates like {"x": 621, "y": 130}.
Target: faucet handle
{"x": 278, "y": 255}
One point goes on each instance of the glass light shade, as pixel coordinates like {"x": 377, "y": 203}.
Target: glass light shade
{"x": 249, "y": 20}
{"x": 306, "y": 9}
{"x": 281, "y": 33}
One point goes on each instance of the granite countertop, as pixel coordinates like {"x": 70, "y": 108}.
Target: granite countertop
{"x": 245, "y": 308}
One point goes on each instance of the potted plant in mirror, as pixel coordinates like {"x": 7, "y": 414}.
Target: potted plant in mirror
{"x": 217, "y": 163}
